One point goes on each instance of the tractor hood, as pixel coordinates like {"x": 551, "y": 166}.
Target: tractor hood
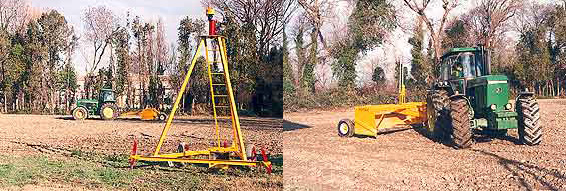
{"x": 489, "y": 90}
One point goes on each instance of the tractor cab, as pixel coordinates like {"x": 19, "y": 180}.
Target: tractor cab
{"x": 106, "y": 95}
{"x": 467, "y": 63}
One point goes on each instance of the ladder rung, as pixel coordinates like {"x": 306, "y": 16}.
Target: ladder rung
{"x": 213, "y": 49}
{"x": 223, "y": 117}
{"x": 218, "y": 84}
{"x": 222, "y": 106}
{"x": 217, "y": 73}
{"x": 214, "y": 62}
{"x": 220, "y": 95}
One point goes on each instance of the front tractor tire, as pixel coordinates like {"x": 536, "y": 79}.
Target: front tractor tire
{"x": 80, "y": 113}
{"x": 109, "y": 111}
{"x": 530, "y": 130}
{"x": 345, "y": 128}
{"x": 460, "y": 118}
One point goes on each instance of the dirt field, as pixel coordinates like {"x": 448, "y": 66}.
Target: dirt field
{"x": 315, "y": 158}
{"x": 62, "y": 137}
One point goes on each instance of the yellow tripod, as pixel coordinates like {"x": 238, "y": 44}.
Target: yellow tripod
{"x": 219, "y": 156}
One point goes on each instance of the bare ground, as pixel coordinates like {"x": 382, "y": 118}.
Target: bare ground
{"x": 316, "y": 158}
{"x": 26, "y": 135}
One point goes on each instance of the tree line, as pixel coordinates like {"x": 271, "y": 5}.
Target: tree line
{"x": 527, "y": 40}
{"x": 132, "y": 57}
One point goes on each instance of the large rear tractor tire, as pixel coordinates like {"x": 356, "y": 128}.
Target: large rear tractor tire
{"x": 436, "y": 105}
{"x": 345, "y": 128}
{"x": 530, "y": 130}
{"x": 461, "y": 131}
{"x": 80, "y": 113}
{"x": 109, "y": 111}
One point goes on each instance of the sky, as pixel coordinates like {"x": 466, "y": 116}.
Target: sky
{"x": 170, "y": 11}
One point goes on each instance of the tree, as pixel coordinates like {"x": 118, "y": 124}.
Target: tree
{"x": 457, "y": 35}
{"x": 14, "y": 15}
{"x": 100, "y": 23}
{"x": 489, "y": 19}
{"x": 368, "y": 25}
{"x": 121, "y": 40}
{"x": 266, "y": 18}
{"x": 419, "y": 7}
{"x": 288, "y": 77}
{"x": 316, "y": 11}
{"x": 56, "y": 35}
{"x": 378, "y": 75}
{"x": 142, "y": 33}
{"x": 188, "y": 37}
{"x": 534, "y": 69}
{"x": 36, "y": 54}
{"x": 421, "y": 69}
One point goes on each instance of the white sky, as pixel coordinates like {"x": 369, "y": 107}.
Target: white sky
{"x": 170, "y": 11}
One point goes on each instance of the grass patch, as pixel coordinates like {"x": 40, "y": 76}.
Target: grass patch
{"x": 19, "y": 171}
{"x": 101, "y": 171}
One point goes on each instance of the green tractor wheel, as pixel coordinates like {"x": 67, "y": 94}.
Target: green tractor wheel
{"x": 109, "y": 111}
{"x": 530, "y": 130}
{"x": 461, "y": 131}
{"x": 80, "y": 113}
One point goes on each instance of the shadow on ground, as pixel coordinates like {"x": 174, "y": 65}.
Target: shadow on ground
{"x": 478, "y": 136}
{"x": 518, "y": 168}
{"x": 291, "y": 126}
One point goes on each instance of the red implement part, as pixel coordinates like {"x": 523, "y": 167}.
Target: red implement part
{"x": 225, "y": 144}
{"x": 254, "y": 154}
{"x": 134, "y": 152}
{"x": 212, "y": 27}
{"x": 264, "y": 156}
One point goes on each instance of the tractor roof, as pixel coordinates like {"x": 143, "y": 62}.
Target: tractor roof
{"x": 459, "y": 50}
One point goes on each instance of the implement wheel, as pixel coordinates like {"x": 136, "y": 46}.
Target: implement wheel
{"x": 345, "y": 128}
{"x": 461, "y": 131}
{"x": 80, "y": 113}
{"x": 109, "y": 111}
{"x": 162, "y": 117}
{"x": 436, "y": 107}
{"x": 530, "y": 130}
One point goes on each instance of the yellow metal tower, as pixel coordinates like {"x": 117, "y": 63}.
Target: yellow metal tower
{"x": 222, "y": 100}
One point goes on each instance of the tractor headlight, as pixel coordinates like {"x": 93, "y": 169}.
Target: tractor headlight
{"x": 493, "y": 107}
{"x": 508, "y": 106}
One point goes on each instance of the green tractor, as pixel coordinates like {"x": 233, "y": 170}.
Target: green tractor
{"x": 105, "y": 106}
{"x": 467, "y": 96}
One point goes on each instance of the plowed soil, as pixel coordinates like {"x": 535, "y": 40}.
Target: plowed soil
{"x": 61, "y": 137}
{"x": 316, "y": 158}
{"x": 23, "y": 134}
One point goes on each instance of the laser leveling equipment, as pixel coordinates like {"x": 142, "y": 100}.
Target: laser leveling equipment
{"x": 372, "y": 119}
{"x": 222, "y": 95}
{"x": 466, "y": 96}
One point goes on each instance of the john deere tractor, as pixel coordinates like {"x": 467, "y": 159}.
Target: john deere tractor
{"x": 105, "y": 106}
{"x": 467, "y": 96}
